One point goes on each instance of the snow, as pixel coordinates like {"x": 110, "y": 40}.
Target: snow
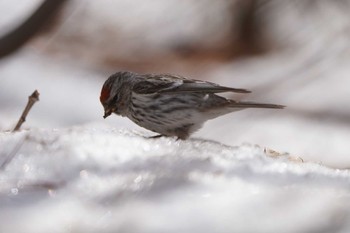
{"x": 97, "y": 179}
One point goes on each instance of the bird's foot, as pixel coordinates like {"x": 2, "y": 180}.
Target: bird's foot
{"x": 156, "y": 136}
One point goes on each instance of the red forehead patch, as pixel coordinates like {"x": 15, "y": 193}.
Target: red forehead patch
{"x": 104, "y": 94}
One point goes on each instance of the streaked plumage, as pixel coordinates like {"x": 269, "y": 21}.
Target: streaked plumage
{"x": 167, "y": 104}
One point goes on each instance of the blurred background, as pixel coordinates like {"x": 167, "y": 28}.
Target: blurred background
{"x": 287, "y": 52}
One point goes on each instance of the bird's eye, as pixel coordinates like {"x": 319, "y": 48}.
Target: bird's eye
{"x": 115, "y": 99}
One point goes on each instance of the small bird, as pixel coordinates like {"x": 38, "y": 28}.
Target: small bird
{"x": 167, "y": 104}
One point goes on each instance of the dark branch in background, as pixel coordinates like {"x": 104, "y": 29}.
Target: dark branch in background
{"x": 31, "y": 101}
{"x": 249, "y": 40}
{"x": 12, "y": 41}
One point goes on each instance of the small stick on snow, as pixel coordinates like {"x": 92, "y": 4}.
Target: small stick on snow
{"x": 31, "y": 101}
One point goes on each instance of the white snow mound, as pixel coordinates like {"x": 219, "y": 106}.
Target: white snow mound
{"x": 101, "y": 180}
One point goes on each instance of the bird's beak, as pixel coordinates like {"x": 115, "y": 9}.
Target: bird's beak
{"x": 108, "y": 112}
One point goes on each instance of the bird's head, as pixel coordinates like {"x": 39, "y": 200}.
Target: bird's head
{"x": 114, "y": 93}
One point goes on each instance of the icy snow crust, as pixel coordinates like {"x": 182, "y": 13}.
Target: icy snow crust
{"x": 85, "y": 179}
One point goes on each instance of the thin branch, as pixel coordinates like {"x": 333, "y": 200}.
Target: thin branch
{"x": 20, "y": 35}
{"x": 31, "y": 101}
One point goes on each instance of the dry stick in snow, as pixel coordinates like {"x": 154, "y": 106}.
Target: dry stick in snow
{"x": 31, "y": 101}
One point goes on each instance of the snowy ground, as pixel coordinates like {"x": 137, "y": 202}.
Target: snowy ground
{"x": 103, "y": 180}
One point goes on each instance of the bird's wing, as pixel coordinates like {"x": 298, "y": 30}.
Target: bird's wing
{"x": 169, "y": 84}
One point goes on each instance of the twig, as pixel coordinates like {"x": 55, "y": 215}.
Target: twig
{"x": 31, "y": 101}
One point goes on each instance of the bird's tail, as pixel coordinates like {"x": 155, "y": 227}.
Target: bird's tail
{"x": 236, "y": 104}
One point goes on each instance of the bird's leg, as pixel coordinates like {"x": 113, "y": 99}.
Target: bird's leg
{"x": 156, "y": 136}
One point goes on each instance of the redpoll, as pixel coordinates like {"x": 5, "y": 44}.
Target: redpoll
{"x": 167, "y": 104}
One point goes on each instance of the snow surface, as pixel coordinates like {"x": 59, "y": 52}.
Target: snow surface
{"x": 97, "y": 179}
